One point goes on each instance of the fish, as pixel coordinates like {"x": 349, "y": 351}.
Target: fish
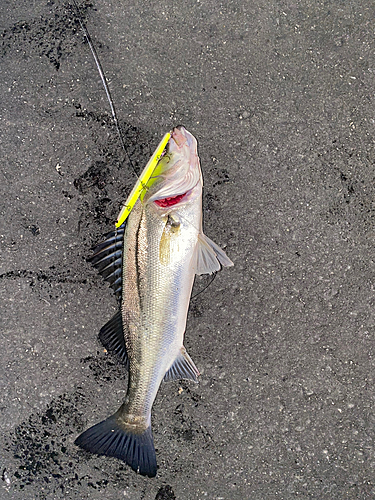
{"x": 151, "y": 262}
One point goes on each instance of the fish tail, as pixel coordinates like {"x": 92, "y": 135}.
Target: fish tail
{"x": 111, "y": 439}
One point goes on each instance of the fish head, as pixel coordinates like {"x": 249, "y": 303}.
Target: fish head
{"x": 177, "y": 178}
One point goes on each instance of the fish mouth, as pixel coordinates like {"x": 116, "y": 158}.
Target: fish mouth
{"x": 178, "y": 136}
{"x": 170, "y": 201}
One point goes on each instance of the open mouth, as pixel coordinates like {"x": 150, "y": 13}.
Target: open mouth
{"x": 169, "y": 202}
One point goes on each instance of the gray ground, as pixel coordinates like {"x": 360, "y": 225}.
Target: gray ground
{"x": 280, "y": 95}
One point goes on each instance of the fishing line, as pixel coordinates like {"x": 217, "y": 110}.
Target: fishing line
{"x": 107, "y": 91}
{"x": 205, "y": 288}
{"x": 104, "y": 81}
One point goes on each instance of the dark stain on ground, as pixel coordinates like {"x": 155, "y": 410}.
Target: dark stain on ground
{"x": 110, "y": 177}
{"x": 48, "y": 461}
{"x": 49, "y": 276}
{"x": 104, "y": 368}
{"x": 95, "y": 177}
{"x": 50, "y": 37}
{"x": 40, "y": 445}
{"x": 137, "y": 141}
{"x": 210, "y": 202}
{"x": 186, "y": 427}
{"x": 47, "y": 284}
{"x": 353, "y": 197}
{"x": 224, "y": 177}
{"x": 165, "y": 493}
{"x": 34, "y": 229}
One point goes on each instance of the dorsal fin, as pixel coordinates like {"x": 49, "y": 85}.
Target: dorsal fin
{"x": 107, "y": 258}
{"x": 111, "y": 336}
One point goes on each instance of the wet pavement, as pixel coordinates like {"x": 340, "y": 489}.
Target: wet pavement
{"x": 280, "y": 96}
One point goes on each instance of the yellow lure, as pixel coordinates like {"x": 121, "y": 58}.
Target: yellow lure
{"x": 142, "y": 181}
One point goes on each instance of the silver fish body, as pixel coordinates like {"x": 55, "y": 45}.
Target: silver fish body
{"x": 163, "y": 249}
{"x": 157, "y": 285}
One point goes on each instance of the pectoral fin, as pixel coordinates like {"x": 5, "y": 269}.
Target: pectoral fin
{"x": 210, "y": 257}
{"x": 182, "y": 368}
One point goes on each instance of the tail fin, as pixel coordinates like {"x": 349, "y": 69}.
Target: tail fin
{"x": 109, "y": 438}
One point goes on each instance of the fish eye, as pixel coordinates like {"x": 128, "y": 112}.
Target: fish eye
{"x": 175, "y": 224}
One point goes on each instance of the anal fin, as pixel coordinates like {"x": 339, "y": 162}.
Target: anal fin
{"x": 182, "y": 368}
{"x": 112, "y": 337}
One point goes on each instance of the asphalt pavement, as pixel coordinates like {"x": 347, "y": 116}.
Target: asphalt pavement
{"x": 280, "y": 95}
